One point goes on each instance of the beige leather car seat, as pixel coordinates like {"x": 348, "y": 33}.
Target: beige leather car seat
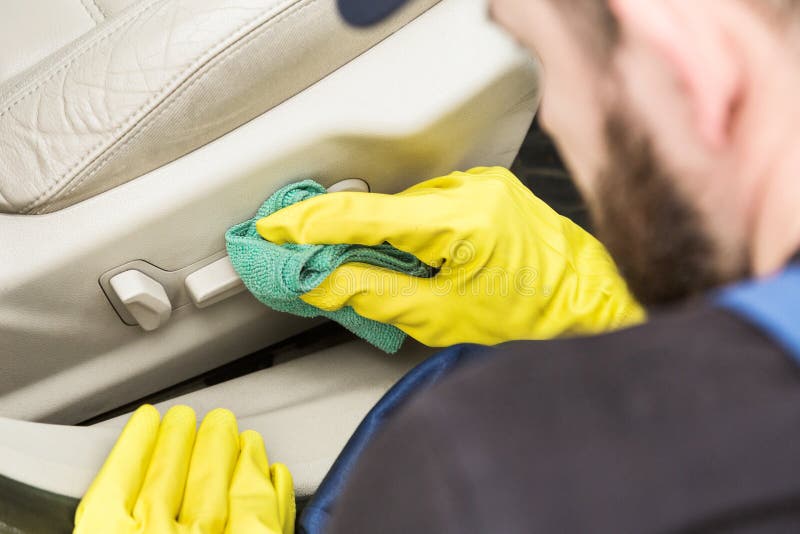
{"x": 133, "y": 133}
{"x": 306, "y": 410}
{"x": 136, "y": 145}
{"x": 144, "y": 85}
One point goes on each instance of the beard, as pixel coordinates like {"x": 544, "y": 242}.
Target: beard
{"x": 652, "y": 231}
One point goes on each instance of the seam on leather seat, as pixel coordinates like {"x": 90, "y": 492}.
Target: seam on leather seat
{"x": 271, "y": 16}
{"x": 80, "y": 53}
{"x": 99, "y": 9}
{"x": 175, "y": 97}
{"x": 92, "y": 14}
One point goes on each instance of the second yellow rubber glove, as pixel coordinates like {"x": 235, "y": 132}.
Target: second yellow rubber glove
{"x": 164, "y": 477}
{"x": 511, "y": 267}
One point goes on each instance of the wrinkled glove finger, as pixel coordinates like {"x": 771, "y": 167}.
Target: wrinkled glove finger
{"x": 162, "y": 491}
{"x": 284, "y": 489}
{"x": 362, "y": 219}
{"x": 360, "y": 284}
{"x": 385, "y": 296}
{"x": 216, "y": 450}
{"x": 253, "y": 501}
{"x": 117, "y": 485}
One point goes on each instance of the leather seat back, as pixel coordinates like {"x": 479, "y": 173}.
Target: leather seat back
{"x": 158, "y": 80}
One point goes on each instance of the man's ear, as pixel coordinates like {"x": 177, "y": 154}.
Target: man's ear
{"x": 695, "y": 47}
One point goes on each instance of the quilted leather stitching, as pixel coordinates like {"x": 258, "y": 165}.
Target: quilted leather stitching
{"x": 92, "y": 14}
{"x": 241, "y": 45}
{"x": 99, "y": 9}
{"x": 89, "y": 47}
{"x": 132, "y": 118}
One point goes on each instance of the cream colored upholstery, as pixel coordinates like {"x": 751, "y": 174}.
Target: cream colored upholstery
{"x": 110, "y": 8}
{"x": 447, "y": 91}
{"x": 156, "y": 81}
{"x": 306, "y": 410}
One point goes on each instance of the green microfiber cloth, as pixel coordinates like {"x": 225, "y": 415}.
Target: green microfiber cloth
{"x": 279, "y": 274}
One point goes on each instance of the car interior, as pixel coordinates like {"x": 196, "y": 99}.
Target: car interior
{"x": 133, "y": 134}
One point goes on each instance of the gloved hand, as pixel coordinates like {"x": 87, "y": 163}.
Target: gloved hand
{"x": 159, "y": 479}
{"x": 511, "y": 267}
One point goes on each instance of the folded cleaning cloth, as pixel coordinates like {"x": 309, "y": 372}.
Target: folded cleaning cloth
{"x": 279, "y": 274}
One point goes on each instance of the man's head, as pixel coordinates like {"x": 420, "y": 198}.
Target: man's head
{"x": 677, "y": 118}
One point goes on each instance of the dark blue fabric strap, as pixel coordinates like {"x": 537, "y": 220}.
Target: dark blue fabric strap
{"x": 773, "y": 305}
{"x": 367, "y": 12}
{"x": 317, "y": 513}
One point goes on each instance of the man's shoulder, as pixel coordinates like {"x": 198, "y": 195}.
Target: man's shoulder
{"x": 696, "y": 403}
{"x": 672, "y": 353}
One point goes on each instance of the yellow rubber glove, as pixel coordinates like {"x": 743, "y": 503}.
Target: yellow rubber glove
{"x": 166, "y": 477}
{"x": 511, "y": 267}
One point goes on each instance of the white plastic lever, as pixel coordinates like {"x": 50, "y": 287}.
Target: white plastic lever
{"x": 143, "y": 297}
{"x": 354, "y": 185}
{"x": 218, "y": 281}
{"x": 213, "y": 283}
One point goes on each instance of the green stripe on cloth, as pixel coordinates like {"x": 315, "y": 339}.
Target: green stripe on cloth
{"x": 277, "y": 275}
